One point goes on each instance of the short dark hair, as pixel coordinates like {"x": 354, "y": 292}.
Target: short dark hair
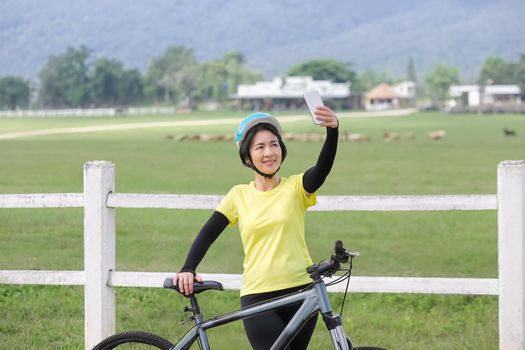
{"x": 244, "y": 147}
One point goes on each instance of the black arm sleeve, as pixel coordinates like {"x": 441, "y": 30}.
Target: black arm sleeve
{"x": 208, "y": 234}
{"x": 314, "y": 177}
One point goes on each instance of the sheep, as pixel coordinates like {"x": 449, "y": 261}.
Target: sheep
{"x": 389, "y": 136}
{"x": 509, "y": 132}
{"x": 436, "y": 135}
{"x": 408, "y": 136}
{"x": 356, "y": 137}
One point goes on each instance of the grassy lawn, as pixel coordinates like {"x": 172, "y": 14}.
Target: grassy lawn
{"x": 437, "y": 244}
{"x": 51, "y": 317}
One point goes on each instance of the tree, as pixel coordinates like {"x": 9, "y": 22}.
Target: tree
{"x": 235, "y": 73}
{"x": 211, "y": 82}
{"x": 234, "y": 56}
{"x": 187, "y": 83}
{"x": 105, "y": 82}
{"x": 177, "y": 77}
{"x": 216, "y": 80}
{"x": 439, "y": 79}
{"x": 130, "y": 88}
{"x": 325, "y": 69}
{"x": 14, "y": 92}
{"x": 495, "y": 71}
{"x": 112, "y": 85}
{"x": 64, "y": 79}
{"x": 411, "y": 71}
{"x": 520, "y": 73}
{"x": 369, "y": 79}
{"x": 166, "y": 74}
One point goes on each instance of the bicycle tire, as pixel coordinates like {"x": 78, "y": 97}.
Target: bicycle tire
{"x": 136, "y": 337}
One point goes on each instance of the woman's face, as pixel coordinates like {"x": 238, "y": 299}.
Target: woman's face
{"x": 265, "y": 152}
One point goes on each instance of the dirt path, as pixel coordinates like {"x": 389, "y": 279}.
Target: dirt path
{"x": 186, "y": 123}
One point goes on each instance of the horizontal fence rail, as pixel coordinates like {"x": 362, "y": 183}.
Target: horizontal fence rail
{"x": 42, "y": 200}
{"x": 324, "y": 203}
{"x": 64, "y": 278}
{"x": 87, "y": 112}
{"x": 470, "y": 286}
{"x": 99, "y": 277}
{"x": 424, "y": 285}
{"x": 193, "y": 201}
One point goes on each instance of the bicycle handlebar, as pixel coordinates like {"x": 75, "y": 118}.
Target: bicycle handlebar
{"x": 328, "y": 267}
{"x": 343, "y": 254}
{"x": 198, "y": 287}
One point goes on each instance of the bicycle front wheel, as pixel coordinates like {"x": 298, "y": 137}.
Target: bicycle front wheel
{"x": 134, "y": 340}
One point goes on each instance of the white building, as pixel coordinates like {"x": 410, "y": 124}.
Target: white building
{"x": 287, "y": 92}
{"x": 384, "y": 96}
{"x": 405, "y": 90}
{"x": 478, "y": 95}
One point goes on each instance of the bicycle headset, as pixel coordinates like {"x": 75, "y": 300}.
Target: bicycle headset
{"x": 246, "y": 131}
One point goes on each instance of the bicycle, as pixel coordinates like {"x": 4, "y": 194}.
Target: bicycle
{"x": 313, "y": 299}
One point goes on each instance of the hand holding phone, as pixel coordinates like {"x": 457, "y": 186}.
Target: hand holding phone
{"x": 313, "y": 100}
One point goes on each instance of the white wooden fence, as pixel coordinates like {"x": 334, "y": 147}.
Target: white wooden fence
{"x": 86, "y": 112}
{"x": 99, "y": 277}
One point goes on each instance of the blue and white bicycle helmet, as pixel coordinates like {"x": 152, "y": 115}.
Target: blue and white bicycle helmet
{"x": 252, "y": 120}
{"x": 263, "y": 121}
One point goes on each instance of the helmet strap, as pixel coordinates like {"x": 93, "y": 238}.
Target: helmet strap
{"x": 266, "y": 176}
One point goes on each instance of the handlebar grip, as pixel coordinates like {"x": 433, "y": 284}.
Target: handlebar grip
{"x": 168, "y": 282}
{"x": 328, "y": 267}
{"x": 340, "y": 252}
{"x": 339, "y": 249}
{"x": 198, "y": 287}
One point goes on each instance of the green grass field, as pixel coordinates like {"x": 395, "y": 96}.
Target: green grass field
{"x": 452, "y": 244}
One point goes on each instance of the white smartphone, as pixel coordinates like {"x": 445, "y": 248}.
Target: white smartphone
{"x": 313, "y": 100}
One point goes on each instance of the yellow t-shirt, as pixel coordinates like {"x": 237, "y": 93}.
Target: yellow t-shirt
{"x": 271, "y": 224}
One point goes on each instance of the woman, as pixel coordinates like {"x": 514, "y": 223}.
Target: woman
{"x": 270, "y": 212}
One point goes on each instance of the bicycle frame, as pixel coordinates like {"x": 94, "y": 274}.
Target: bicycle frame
{"x": 313, "y": 299}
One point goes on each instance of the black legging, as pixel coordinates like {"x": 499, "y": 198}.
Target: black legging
{"x": 263, "y": 330}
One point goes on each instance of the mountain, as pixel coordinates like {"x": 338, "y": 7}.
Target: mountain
{"x": 273, "y": 35}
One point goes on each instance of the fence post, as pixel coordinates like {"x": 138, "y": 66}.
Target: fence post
{"x": 99, "y": 252}
{"x": 511, "y": 254}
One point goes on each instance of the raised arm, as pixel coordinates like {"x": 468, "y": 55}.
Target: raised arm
{"x": 314, "y": 177}
{"x": 207, "y": 235}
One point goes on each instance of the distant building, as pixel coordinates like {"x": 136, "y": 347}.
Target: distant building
{"x": 287, "y": 93}
{"x": 484, "y": 95}
{"x": 384, "y": 96}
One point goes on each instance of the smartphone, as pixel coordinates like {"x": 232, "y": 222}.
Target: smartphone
{"x": 313, "y": 100}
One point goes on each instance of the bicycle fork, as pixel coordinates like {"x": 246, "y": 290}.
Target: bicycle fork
{"x": 333, "y": 322}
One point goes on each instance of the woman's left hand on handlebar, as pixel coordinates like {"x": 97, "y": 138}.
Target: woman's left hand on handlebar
{"x": 327, "y": 117}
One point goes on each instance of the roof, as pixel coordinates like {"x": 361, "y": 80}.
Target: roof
{"x": 458, "y": 90}
{"x": 509, "y": 89}
{"x": 381, "y": 92}
{"x": 503, "y": 89}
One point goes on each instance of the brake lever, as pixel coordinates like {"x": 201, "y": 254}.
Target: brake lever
{"x": 352, "y": 253}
